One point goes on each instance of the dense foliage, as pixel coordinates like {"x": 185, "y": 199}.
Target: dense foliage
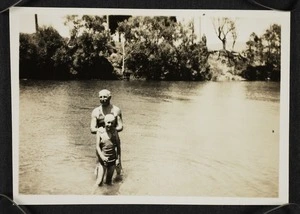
{"x": 151, "y": 48}
{"x": 46, "y": 55}
{"x": 36, "y": 53}
{"x": 158, "y": 48}
{"x": 88, "y": 48}
{"x": 263, "y": 54}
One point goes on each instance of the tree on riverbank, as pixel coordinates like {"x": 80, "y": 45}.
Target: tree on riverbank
{"x": 152, "y": 48}
{"x": 46, "y": 55}
{"x": 224, "y": 28}
{"x": 159, "y": 48}
{"x": 264, "y": 53}
{"x": 88, "y": 48}
{"x": 36, "y": 52}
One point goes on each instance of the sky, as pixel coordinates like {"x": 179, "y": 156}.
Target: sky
{"x": 245, "y": 24}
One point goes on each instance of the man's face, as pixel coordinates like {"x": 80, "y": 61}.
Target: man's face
{"x": 104, "y": 99}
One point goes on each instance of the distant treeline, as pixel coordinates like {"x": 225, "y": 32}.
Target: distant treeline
{"x": 150, "y": 48}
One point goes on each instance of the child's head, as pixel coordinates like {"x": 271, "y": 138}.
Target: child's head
{"x": 109, "y": 121}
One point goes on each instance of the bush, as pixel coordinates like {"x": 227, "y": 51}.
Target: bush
{"x": 158, "y": 48}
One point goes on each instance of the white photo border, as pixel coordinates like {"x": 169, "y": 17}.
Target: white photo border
{"x": 15, "y": 12}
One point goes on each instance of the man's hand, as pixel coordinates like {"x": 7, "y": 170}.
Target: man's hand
{"x": 105, "y": 159}
{"x": 101, "y": 130}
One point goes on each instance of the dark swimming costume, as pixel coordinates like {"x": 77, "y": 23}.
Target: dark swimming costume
{"x": 108, "y": 147}
{"x": 107, "y": 164}
{"x": 101, "y": 115}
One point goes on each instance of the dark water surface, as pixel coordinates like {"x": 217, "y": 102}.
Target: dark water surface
{"x": 180, "y": 138}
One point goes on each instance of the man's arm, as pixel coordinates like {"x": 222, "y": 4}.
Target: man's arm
{"x": 119, "y": 120}
{"x": 94, "y": 127}
{"x": 118, "y": 149}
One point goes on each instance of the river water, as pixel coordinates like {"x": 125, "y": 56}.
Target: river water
{"x": 179, "y": 138}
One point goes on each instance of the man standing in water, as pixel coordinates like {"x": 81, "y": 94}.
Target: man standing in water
{"x": 98, "y": 115}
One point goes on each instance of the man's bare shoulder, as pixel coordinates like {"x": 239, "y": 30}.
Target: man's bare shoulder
{"x": 95, "y": 112}
{"x": 116, "y": 109}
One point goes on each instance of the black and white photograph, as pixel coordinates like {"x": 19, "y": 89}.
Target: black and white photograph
{"x": 144, "y": 106}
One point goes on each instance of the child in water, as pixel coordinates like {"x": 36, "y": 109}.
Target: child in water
{"x": 108, "y": 150}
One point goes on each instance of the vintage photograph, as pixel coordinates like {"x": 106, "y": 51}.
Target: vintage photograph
{"x": 137, "y": 106}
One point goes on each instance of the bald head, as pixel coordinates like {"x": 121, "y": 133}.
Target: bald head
{"x": 109, "y": 121}
{"x": 104, "y": 92}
